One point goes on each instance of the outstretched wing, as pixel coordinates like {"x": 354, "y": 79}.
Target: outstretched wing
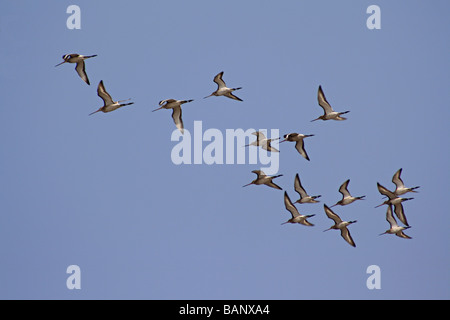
{"x": 300, "y": 146}
{"x": 386, "y": 192}
{"x": 81, "y": 70}
{"x": 232, "y": 96}
{"x": 323, "y": 101}
{"x": 347, "y": 236}
{"x": 343, "y": 189}
{"x": 101, "y": 91}
{"x": 176, "y": 116}
{"x": 298, "y": 187}
{"x": 397, "y": 180}
{"x": 219, "y": 81}
{"x": 290, "y": 206}
{"x": 330, "y": 214}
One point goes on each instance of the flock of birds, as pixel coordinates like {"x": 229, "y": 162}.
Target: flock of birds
{"x": 394, "y": 200}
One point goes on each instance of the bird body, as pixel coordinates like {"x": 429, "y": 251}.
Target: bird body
{"x": 175, "y": 105}
{"x": 347, "y": 198}
{"x": 339, "y": 224}
{"x": 304, "y": 197}
{"x": 80, "y": 67}
{"x": 329, "y": 113}
{"x": 299, "y": 144}
{"x": 395, "y": 201}
{"x": 262, "y": 141}
{"x": 394, "y": 227}
{"x": 108, "y": 103}
{"x": 400, "y": 186}
{"x": 262, "y": 178}
{"x": 296, "y": 216}
{"x": 222, "y": 89}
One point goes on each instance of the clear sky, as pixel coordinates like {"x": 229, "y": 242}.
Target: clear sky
{"x": 102, "y": 192}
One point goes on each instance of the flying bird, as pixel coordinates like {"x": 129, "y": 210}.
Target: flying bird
{"x": 329, "y": 113}
{"x": 339, "y": 224}
{"x": 79, "y": 60}
{"x": 108, "y": 103}
{"x": 262, "y": 178}
{"x": 395, "y": 228}
{"x": 346, "y": 196}
{"x": 175, "y": 105}
{"x": 395, "y": 201}
{"x": 296, "y": 216}
{"x": 304, "y": 197}
{"x": 400, "y": 186}
{"x": 262, "y": 141}
{"x": 299, "y": 144}
{"x": 222, "y": 89}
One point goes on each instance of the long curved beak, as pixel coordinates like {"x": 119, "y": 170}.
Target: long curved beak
{"x": 379, "y": 205}
{"x": 208, "y": 96}
{"x": 247, "y": 184}
{"x": 157, "y": 109}
{"x": 60, "y": 63}
{"x": 327, "y": 229}
{"x": 95, "y": 111}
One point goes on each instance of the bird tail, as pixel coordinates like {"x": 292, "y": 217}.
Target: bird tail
{"x": 234, "y": 89}
{"x": 94, "y": 55}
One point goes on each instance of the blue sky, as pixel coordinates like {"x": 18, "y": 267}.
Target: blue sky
{"x": 102, "y": 192}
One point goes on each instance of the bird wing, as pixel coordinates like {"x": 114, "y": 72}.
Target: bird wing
{"x": 306, "y": 223}
{"x": 101, "y": 91}
{"x": 176, "y": 116}
{"x": 266, "y": 146}
{"x": 273, "y": 185}
{"x": 232, "y": 96}
{"x": 390, "y": 218}
{"x": 298, "y": 187}
{"x": 219, "y": 81}
{"x": 397, "y": 180}
{"x": 323, "y": 101}
{"x": 386, "y": 192}
{"x": 290, "y": 206}
{"x": 347, "y": 236}
{"x": 330, "y": 214}
{"x": 300, "y": 146}
{"x": 81, "y": 70}
{"x": 400, "y": 213}
{"x": 259, "y": 135}
{"x": 259, "y": 173}
{"x": 402, "y": 235}
{"x": 343, "y": 189}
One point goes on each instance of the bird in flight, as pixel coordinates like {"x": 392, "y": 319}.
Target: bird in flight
{"x": 79, "y": 60}
{"x": 329, "y": 113}
{"x": 340, "y": 225}
{"x": 108, "y": 103}
{"x": 262, "y": 178}
{"x": 296, "y": 216}
{"x": 175, "y": 105}
{"x": 222, "y": 89}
